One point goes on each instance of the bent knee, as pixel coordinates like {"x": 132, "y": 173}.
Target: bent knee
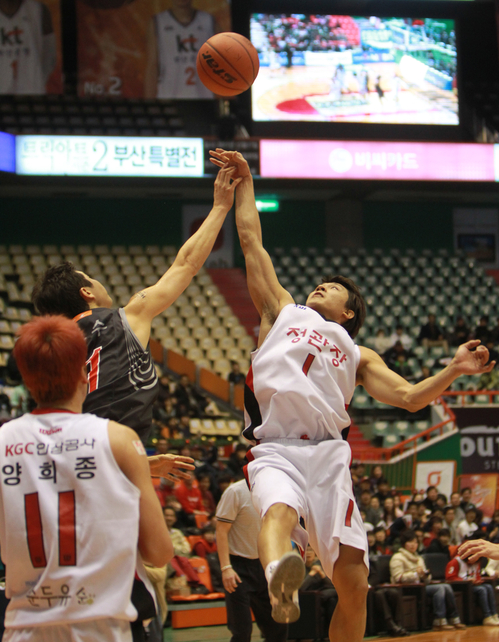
{"x": 282, "y": 513}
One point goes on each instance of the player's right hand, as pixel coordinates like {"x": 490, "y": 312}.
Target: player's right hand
{"x": 225, "y": 184}
{"x": 220, "y": 157}
{"x": 230, "y": 580}
{"x": 473, "y": 550}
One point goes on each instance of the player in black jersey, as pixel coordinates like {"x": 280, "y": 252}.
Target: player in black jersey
{"x": 122, "y": 379}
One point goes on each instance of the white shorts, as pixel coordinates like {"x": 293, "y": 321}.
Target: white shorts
{"x": 105, "y": 630}
{"x": 314, "y": 479}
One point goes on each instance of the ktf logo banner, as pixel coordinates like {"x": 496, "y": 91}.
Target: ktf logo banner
{"x": 435, "y": 473}
{"x": 480, "y": 449}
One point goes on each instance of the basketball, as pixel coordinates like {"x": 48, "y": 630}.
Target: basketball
{"x": 227, "y": 64}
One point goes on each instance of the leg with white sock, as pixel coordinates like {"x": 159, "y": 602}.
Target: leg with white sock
{"x": 284, "y": 570}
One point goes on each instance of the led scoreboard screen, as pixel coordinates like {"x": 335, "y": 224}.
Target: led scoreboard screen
{"x": 337, "y": 68}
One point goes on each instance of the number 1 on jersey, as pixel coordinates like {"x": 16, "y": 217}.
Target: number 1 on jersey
{"x": 93, "y": 371}
{"x": 308, "y": 362}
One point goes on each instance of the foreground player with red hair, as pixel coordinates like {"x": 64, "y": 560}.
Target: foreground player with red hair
{"x": 77, "y": 507}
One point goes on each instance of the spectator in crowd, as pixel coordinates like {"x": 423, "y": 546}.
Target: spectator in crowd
{"x": 434, "y": 527}
{"x": 162, "y": 446}
{"x": 381, "y": 342}
{"x": 425, "y": 373}
{"x": 166, "y": 388}
{"x": 376, "y": 475}
{"x": 460, "y": 569}
{"x": 490, "y": 380}
{"x": 383, "y": 490}
{"x": 187, "y": 396}
{"x": 235, "y": 375}
{"x": 395, "y": 355}
{"x": 388, "y": 604}
{"x": 371, "y": 542}
{"x": 207, "y": 543}
{"x": 223, "y": 482}
{"x": 461, "y": 332}
{"x": 375, "y": 512}
{"x": 165, "y": 490}
{"x": 204, "y": 483}
{"x": 420, "y": 537}
{"x": 407, "y": 567}
{"x": 494, "y": 333}
{"x": 188, "y": 494}
{"x": 388, "y": 513}
{"x": 468, "y": 525}
{"x": 441, "y": 502}
{"x": 316, "y": 580}
{"x": 180, "y": 543}
{"x": 408, "y": 521}
{"x": 455, "y": 502}
{"x": 367, "y": 525}
{"x": 440, "y": 544}
{"x": 482, "y": 332}
{"x": 430, "y": 501}
{"x": 381, "y": 545}
{"x": 397, "y": 506}
{"x": 403, "y": 337}
{"x": 492, "y": 569}
{"x": 432, "y": 335}
{"x": 402, "y": 368}
{"x": 365, "y": 501}
{"x": 493, "y": 528}
{"x": 449, "y": 524}
{"x": 237, "y": 461}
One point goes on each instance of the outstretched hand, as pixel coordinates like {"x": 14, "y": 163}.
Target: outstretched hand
{"x": 225, "y": 185}
{"x": 170, "y": 467}
{"x": 468, "y": 362}
{"x": 473, "y": 550}
{"x": 222, "y": 158}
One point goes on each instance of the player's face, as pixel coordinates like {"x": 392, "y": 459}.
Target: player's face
{"x": 102, "y": 297}
{"x": 330, "y": 300}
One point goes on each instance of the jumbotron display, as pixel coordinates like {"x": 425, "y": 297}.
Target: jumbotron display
{"x": 327, "y": 68}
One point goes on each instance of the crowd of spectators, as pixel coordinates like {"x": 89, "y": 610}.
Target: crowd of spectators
{"x": 397, "y": 348}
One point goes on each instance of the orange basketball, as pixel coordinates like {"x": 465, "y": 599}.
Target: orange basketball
{"x": 227, "y": 64}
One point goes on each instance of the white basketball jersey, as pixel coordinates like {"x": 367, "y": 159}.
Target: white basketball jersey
{"x": 178, "y": 46}
{"x": 301, "y": 379}
{"x": 21, "y": 50}
{"x": 68, "y": 521}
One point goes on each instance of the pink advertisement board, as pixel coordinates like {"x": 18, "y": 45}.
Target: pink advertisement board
{"x": 372, "y": 160}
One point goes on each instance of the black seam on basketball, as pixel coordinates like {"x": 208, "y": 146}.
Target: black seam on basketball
{"x": 228, "y": 63}
{"x": 220, "y": 84}
{"x": 244, "y": 47}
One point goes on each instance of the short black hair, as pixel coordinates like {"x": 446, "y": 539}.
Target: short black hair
{"x": 355, "y": 303}
{"x": 407, "y": 536}
{"x": 57, "y": 291}
{"x": 444, "y": 532}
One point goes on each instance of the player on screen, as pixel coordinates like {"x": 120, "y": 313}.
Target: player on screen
{"x": 173, "y": 41}
{"x": 77, "y": 507}
{"x": 28, "y": 51}
{"x": 301, "y": 380}
{"x": 122, "y": 379}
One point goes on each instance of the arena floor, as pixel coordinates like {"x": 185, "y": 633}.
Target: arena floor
{"x": 221, "y": 634}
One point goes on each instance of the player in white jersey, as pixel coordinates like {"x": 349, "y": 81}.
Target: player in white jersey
{"x": 77, "y": 507}
{"x": 173, "y": 41}
{"x": 28, "y": 50}
{"x": 303, "y": 375}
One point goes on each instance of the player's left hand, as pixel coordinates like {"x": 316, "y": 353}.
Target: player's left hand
{"x": 170, "y": 466}
{"x": 475, "y": 362}
{"x": 473, "y": 550}
{"x": 222, "y": 158}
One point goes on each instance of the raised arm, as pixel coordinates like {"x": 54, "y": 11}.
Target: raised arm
{"x": 388, "y": 387}
{"x": 267, "y": 293}
{"x": 148, "y": 303}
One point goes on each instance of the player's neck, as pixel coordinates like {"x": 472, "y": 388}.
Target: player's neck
{"x": 184, "y": 15}
{"x": 71, "y": 405}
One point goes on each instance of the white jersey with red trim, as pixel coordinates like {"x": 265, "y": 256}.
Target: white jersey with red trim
{"x": 301, "y": 379}
{"x": 68, "y": 521}
{"x": 178, "y": 46}
{"x": 21, "y": 50}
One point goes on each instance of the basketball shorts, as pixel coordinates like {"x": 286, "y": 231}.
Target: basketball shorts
{"x": 105, "y": 630}
{"x": 314, "y": 479}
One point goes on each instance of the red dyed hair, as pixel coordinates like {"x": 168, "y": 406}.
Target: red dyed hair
{"x": 50, "y": 354}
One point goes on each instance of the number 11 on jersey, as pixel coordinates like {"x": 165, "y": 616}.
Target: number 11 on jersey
{"x": 93, "y": 370}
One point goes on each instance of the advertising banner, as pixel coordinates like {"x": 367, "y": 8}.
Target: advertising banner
{"x": 483, "y": 491}
{"x": 435, "y": 473}
{"x": 222, "y": 255}
{"x": 377, "y": 160}
{"x": 479, "y": 431}
{"x": 7, "y": 152}
{"x": 109, "y": 156}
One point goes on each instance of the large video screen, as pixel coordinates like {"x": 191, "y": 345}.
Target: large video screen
{"x": 327, "y": 68}
{"x": 145, "y": 48}
{"x": 30, "y": 47}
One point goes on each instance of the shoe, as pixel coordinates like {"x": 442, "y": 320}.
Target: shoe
{"x": 398, "y": 632}
{"x": 460, "y": 626}
{"x": 443, "y": 627}
{"x": 284, "y": 583}
{"x": 490, "y": 621}
{"x": 496, "y": 617}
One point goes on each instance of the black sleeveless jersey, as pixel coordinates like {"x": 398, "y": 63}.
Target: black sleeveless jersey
{"x": 123, "y": 384}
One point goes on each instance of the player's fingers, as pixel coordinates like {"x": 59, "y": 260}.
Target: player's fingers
{"x": 472, "y": 344}
{"x": 184, "y": 460}
{"x": 216, "y": 162}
